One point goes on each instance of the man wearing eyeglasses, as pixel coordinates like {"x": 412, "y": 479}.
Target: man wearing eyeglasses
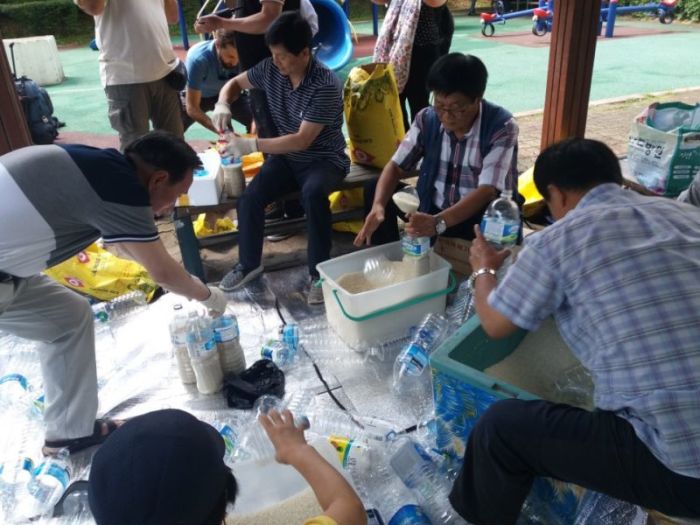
{"x": 468, "y": 148}
{"x": 210, "y": 65}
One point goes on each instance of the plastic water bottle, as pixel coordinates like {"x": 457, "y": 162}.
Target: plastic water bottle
{"x": 226, "y": 334}
{"x": 230, "y": 436}
{"x": 234, "y": 179}
{"x": 18, "y": 396}
{"x": 201, "y": 345}
{"x": 419, "y": 473}
{"x": 178, "y": 339}
{"x": 277, "y": 352}
{"x": 289, "y": 334}
{"x": 50, "y": 481}
{"x": 119, "y": 307}
{"x": 378, "y": 271}
{"x": 501, "y": 225}
{"x": 462, "y": 307}
{"x": 14, "y": 473}
{"x": 329, "y": 422}
{"x": 605, "y": 510}
{"x": 415, "y": 357}
{"x": 394, "y": 502}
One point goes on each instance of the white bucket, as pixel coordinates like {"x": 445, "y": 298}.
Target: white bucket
{"x": 373, "y": 317}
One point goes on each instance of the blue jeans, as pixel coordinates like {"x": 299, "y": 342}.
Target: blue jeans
{"x": 278, "y": 177}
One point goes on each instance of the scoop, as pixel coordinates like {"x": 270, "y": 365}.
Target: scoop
{"x": 407, "y": 199}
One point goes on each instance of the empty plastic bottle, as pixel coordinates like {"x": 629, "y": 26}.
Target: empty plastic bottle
{"x": 378, "y": 270}
{"x": 462, "y": 307}
{"x": 419, "y": 473}
{"x": 201, "y": 345}
{"x": 395, "y": 504}
{"x": 50, "y": 481}
{"x": 289, "y": 334}
{"x": 226, "y": 335}
{"x": 501, "y": 225}
{"x": 277, "y": 352}
{"x": 416, "y": 355}
{"x": 18, "y": 396}
{"x": 178, "y": 339}
{"x": 119, "y": 307}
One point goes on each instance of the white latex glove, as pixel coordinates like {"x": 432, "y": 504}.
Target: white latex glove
{"x": 239, "y": 146}
{"x": 216, "y": 302}
{"x": 221, "y": 117}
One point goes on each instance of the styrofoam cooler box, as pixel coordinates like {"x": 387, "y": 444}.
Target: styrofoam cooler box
{"x": 207, "y": 184}
{"x": 373, "y": 317}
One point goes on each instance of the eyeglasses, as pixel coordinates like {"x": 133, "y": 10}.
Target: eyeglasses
{"x": 456, "y": 111}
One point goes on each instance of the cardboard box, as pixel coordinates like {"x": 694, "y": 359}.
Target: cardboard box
{"x": 456, "y": 252}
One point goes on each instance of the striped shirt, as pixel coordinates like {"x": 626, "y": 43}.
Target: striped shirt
{"x": 318, "y": 99}
{"x": 462, "y": 168}
{"x": 621, "y": 275}
{"x": 58, "y": 200}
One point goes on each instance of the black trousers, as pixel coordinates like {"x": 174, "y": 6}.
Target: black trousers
{"x": 515, "y": 441}
{"x": 280, "y": 175}
{"x": 388, "y": 231}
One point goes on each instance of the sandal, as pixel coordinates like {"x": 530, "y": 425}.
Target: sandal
{"x": 97, "y": 437}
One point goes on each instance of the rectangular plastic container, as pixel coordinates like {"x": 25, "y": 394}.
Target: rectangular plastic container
{"x": 206, "y": 190}
{"x": 376, "y": 316}
{"x": 463, "y": 392}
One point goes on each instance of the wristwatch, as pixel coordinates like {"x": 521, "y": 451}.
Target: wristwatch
{"x": 440, "y": 225}
{"x": 478, "y": 273}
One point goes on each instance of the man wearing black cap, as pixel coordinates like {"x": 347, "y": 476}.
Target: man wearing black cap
{"x": 166, "y": 468}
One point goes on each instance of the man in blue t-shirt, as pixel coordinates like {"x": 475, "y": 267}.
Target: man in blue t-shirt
{"x": 305, "y": 100}
{"x": 210, "y": 65}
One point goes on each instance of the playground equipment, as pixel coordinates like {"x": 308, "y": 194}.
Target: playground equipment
{"x": 543, "y": 15}
{"x": 332, "y": 43}
{"x": 489, "y": 20}
{"x": 664, "y": 10}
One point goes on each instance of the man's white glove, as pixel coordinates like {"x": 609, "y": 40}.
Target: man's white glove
{"x": 221, "y": 117}
{"x": 216, "y": 302}
{"x": 239, "y": 146}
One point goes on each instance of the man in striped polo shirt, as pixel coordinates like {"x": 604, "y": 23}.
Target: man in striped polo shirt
{"x": 619, "y": 273}
{"x": 306, "y": 103}
{"x": 57, "y": 200}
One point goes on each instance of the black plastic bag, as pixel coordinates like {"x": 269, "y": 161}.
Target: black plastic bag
{"x": 261, "y": 378}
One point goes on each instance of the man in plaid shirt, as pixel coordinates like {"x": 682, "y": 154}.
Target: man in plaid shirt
{"x": 469, "y": 151}
{"x": 619, "y": 273}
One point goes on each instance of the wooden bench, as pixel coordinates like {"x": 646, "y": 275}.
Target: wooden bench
{"x": 190, "y": 244}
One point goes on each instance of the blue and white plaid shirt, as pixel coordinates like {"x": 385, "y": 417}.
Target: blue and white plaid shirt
{"x": 621, "y": 275}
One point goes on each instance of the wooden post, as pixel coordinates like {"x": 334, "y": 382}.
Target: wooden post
{"x": 14, "y": 132}
{"x": 574, "y": 32}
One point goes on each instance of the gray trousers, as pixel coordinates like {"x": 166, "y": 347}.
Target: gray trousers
{"x": 40, "y": 309}
{"x": 132, "y": 106}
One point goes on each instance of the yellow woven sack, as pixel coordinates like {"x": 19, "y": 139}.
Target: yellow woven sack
{"x": 373, "y": 114}
{"x": 98, "y": 273}
{"x": 343, "y": 201}
{"x": 534, "y": 202}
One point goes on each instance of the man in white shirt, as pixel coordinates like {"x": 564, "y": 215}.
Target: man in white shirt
{"x": 138, "y": 68}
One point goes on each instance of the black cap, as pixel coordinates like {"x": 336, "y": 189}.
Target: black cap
{"x": 164, "y": 467}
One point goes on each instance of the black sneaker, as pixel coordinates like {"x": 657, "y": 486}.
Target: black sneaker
{"x": 237, "y": 277}
{"x": 274, "y": 212}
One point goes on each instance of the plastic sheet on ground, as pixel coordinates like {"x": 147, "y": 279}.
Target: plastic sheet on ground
{"x": 137, "y": 374}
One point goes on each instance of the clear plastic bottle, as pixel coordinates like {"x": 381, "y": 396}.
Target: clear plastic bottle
{"x": 50, "y": 481}
{"x": 201, "y": 346}
{"x": 289, "y": 334}
{"x": 227, "y": 342}
{"x": 394, "y": 502}
{"x": 119, "y": 307}
{"x": 178, "y": 339}
{"x": 277, "y": 352}
{"x": 416, "y": 355}
{"x": 18, "y": 396}
{"x": 330, "y": 422}
{"x": 418, "y": 472}
{"x": 416, "y": 249}
{"x": 501, "y": 225}
{"x": 378, "y": 271}
{"x": 462, "y": 307}
{"x": 234, "y": 179}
